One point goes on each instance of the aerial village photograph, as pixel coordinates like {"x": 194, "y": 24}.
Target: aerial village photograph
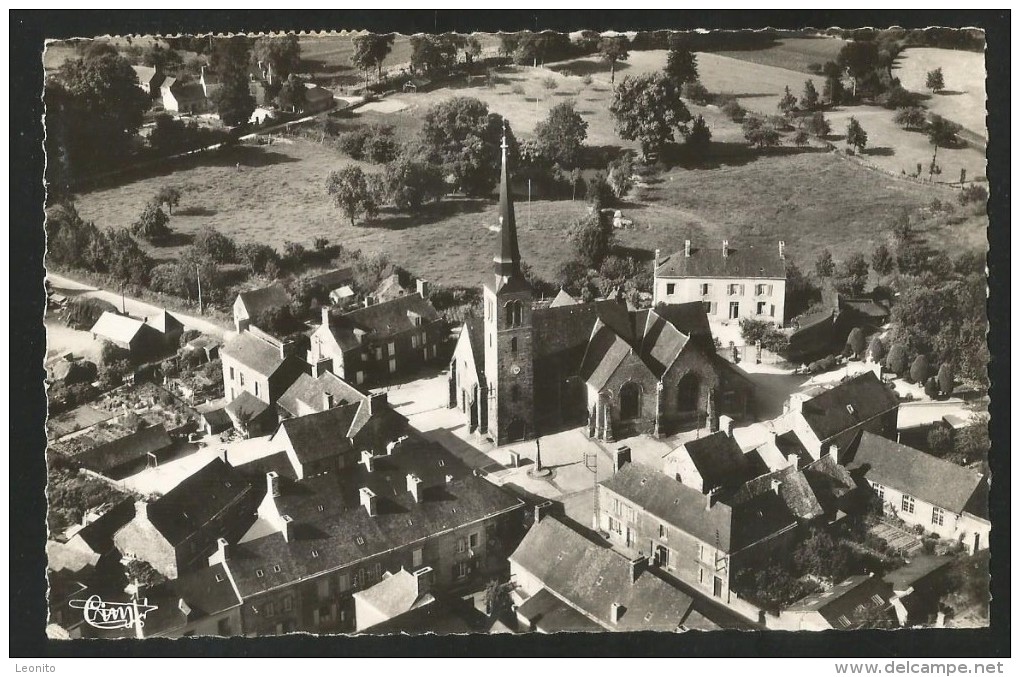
{"x": 355, "y": 333}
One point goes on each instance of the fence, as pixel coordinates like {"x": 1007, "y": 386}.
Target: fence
{"x": 748, "y": 353}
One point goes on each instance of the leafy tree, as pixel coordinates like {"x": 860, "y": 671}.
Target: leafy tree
{"x": 621, "y": 175}
{"x": 941, "y": 133}
{"x": 856, "y": 137}
{"x": 576, "y": 181}
{"x": 931, "y": 387}
{"x": 681, "y": 63}
{"x": 856, "y": 342}
{"x": 809, "y": 100}
{"x": 694, "y": 91}
{"x": 411, "y": 184}
{"x": 824, "y": 557}
{"x": 852, "y": 275}
{"x": 234, "y": 100}
{"x": 282, "y": 53}
{"x": 896, "y": 360}
{"x": 538, "y": 48}
{"x": 152, "y": 224}
{"x": 167, "y": 61}
{"x": 293, "y": 94}
{"x": 432, "y": 54}
{"x": 973, "y": 193}
{"x": 497, "y": 597}
{"x": 215, "y": 246}
{"x": 350, "y": 193}
{"x": 939, "y": 438}
{"x": 759, "y": 132}
{"x": 972, "y": 442}
{"x": 824, "y": 266}
{"x": 801, "y": 137}
{"x": 699, "y": 138}
{"x": 860, "y": 58}
{"x": 169, "y": 196}
{"x": 464, "y": 138}
{"x": 912, "y": 117}
{"x": 561, "y": 135}
{"x": 833, "y": 90}
{"x": 472, "y": 48}
{"x": 935, "y": 81}
{"x": 788, "y": 102}
{"x": 599, "y": 193}
{"x": 257, "y": 256}
{"x": 818, "y": 125}
{"x": 946, "y": 379}
{"x": 876, "y": 350}
{"x": 370, "y": 50}
{"x": 882, "y": 261}
{"x": 84, "y": 311}
{"x": 592, "y": 236}
{"x": 733, "y": 110}
{"x": 613, "y": 49}
{"x": 920, "y": 370}
{"x": 647, "y": 109}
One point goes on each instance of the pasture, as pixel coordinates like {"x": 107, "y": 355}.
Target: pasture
{"x": 793, "y": 54}
{"x": 963, "y": 100}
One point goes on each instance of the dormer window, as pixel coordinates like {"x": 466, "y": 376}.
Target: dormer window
{"x": 259, "y": 573}
{"x": 276, "y": 568}
{"x": 850, "y": 409}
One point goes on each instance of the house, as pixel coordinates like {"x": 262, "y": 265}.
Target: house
{"x": 825, "y": 331}
{"x": 565, "y": 582}
{"x": 332, "y": 439}
{"x": 531, "y": 365}
{"x": 149, "y": 80}
{"x": 318, "y": 540}
{"x": 919, "y": 586}
{"x": 145, "y": 341}
{"x": 259, "y": 364}
{"x": 249, "y": 305}
{"x": 920, "y": 489}
{"x": 710, "y": 463}
{"x": 343, "y": 297}
{"x": 395, "y": 595}
{"x": 91, "y": 541}
{"x": 856, "y": 603}
{"x": 309, "y": 395}
{"x": 185, "y": 97}
{"x": 123, "y": 455}
{"x": 731, "y": 283}
{"x": 251, "y": 416}
{"x": 200, "y": 603}
{"x": 702, "y": 540}
{"x": 208, "y": 346}
{"x": 317, "y": 99}
{"x": 831, "y": 421}
{"x": 176, "y": 532}
{"x": 379, "y": 342}
{"x": 216, "y": 420}
{"x": 332, "y": 279}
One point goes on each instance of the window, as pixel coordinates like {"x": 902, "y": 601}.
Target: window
{"x": 760, "y": 308}
{"x": 259, "y": 573}
{"x": 877, "y": 599}
{"x": 359, "y": 377}
{"x": 772, "y": 310}
{"x": 937, "y": 516}
{"x": 706, "y": 289}
{"x": 462, "y": 569}
{"x": 663, "y": 532}
{"x": 417, "y": 321}
{"x": 315, "y": 553}
{"x": 270, "y": 609}
{"x": 614, "y": 525}
{"x": 907, "y": 504}
{"x": 417, "y": 558}
{"x": 414, "y": 340}
{"x": 391, "y": 348}
{"x": 513, "y": 346}
{"x": 393, "y": 365}
{"x": 377, "y": 571}
{"x": 701, "y": 576}
{"x": 241, "y": 375}
{"x": 231, "y": 373}
{"x": 378, "y": 352}
{"x": 616, "y": 507}
{"x": 879, "y": 490}
{"x": 473, "y": 541}
{"x": 707, "y": 307}
{"x": 461, "y": 545}
{"x": 288, "y": 603}
{"x": 343, "y": 582}
{"x": 256, "y": 388}
{"x": 670, "y": 289}
{"x": 844, "y": 621}
{"x": 732, "y": 290}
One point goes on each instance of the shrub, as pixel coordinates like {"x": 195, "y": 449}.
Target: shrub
{"x": 896, "y": 360}
{"x": 621, "y": 175}
{"x": 931, "y": 387}
{"x": 110, "y": 354}
{"x": 518, "y": 89}
{"x": 919, "y": 370}
{"x": 856, "y": 342}
{"x": 83, "y": 311}
{"x": 550, "y": 83}
{"x": 940, "y": 441}
{"x": 586, "y": 80}
{"x": 946, "y": 379}
{"x": 696, "y": 92}
{"x": 973, "y": 193}
{"x": 733, "y": 110}
{"x": 152, "y": 224}
{"x": 215, "y": 246}
{"x": 876, "y": 350}
{"x": 189, "y": 335}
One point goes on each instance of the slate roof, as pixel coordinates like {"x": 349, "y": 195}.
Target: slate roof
{"x": 827, "y": 413}
{"x": 124, "y": 450}
{"x": 440, "y": 616}
{"x": 606, "y": 352}
{"x": 333, "y": 279}
{"x": 206, "y": 592}
{"x": 562, "y": 298}
{"x": 917, "y": 569}
{"x": 213, "y": 490}
{"x": 853, "y": 600}
{"x": 474, "y": 328}
{"x": 119, "y": 328}
{"x": 218, "y": 418}
{"x": 382, "y": 320}
{"x": 727, "y": 527}
{"x": 548, "y": 613}
{"x": 185, "y": 91}
{"x": 719, "y": 460}
{"x": 246, "y": 406}
{"x": 794, "y": 489}
{"x": 395, "y": 594}
{"x": 343, "y": 532}
{"x": 252, "y": 352}
{"x": 257, "y": 301}
{"x": 147, "y": 75}
{"x": 166, "y": 323}
{"x": 591, "y": 577}
{"x": 829, "y": 481}
{"x": 744, "y": 262}
{"x": 311, "y": 393}
{"x": 322, "y": 434}
{"x": 98, "y": 534}
{"x": 933, "y": 480}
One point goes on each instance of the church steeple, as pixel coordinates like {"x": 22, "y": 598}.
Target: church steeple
{"x": 507, "y": 263}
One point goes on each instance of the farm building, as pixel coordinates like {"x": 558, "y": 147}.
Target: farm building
{"x": 144, "y": 339}
{"x": 149, "y": 80}
{"x": 120, "y": 456}
{"x": 250, "y": 304}
{"x": 183, "y": 97}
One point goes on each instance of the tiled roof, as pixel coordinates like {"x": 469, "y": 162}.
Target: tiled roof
{"x": 120, "y": 328}
{"x": 829, "y": 481}
{"x": 311, "y": 392}
{"x": 852, "y": 600}
{"x": 329, "y": 519}
{"x": 827, "y": 414}
{"x": 744, "y": 262}
{"x": 794, "y": 489}
{"x": 123, "y": 450}
{"x": 591, "y": 577}
{"x": 254, "y": 353}
{"x": 914, "y": 472}
{"x": 213, "y": 490}
{"x": 260, "y": 300}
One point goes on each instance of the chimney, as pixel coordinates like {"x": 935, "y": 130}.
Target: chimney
{"x": 368, "y": 500}
{"x": 327, "y": 400}
{"x": 725, "y": 248}
{"x": 687, "y": 248}
{"x": 286, "y": 529}
{"x": 782, "y": 246}
{"x": 637, "y": 566}
{"x": 423, "y": 288}
{"x": 615, "y": 612}
{"x": 710, "y": 498}
{"x": 183, "y": 607}
{"x": 376, "y": 403}
{"x": 224, "y": 453}
{"x": 792, "y": 461}
{"x": 142, "y": 510}
{"x": 368, "y": 459}
{"x": 449, "y": 478}
{"x": 541, "y": 510}
{"x": 220, "y": 556}
{"x": 273, "y": 483}
{"x": 423, "y": 580}
{"x": 776, "y": 484}
{"x": 369, "y": 301}
{"x": 726, "y": 425}
{"x": 414, "y": 487}
{"x": 325, "y": 316}
{"x": 830, "y": 450}
{"x": 797, "y": 402}
{"x": 621, "y": 458}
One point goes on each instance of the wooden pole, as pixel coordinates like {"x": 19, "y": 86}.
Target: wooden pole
{"x": 198, "y": 276}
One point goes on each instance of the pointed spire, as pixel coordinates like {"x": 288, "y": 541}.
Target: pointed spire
{"x": 508, "y": 262}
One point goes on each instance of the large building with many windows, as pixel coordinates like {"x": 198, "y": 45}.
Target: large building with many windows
{"x": 732, "y": 283}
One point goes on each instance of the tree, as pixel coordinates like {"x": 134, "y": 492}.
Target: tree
{"x": 497, "y": 597}
{"x": 576, "y": 181}
{"x": 818, "y": 125}
{"x": 411, "y": 183}
{"x": 472, "y": 48}
{"x": 896, "y": 360}
{"x": 941, "y": 133}
{"x": 370, "y": 50}
{"x": 856, "y": 342}
{"x": 258, "y": 257}
{"x": 699, "y": 138}
{"x": 920, "y": 370}
{"x": 931, "y": 387}
{"x": 935, "y": 81}
{"x": 946, "y": 379}
{"x": 882, "y": 261}
{"x": 282, "y": 54}
{"x": 152, "y": 224}
{"x": 939, "y": 438}
{"x": 876, "y": 350}
{"x": 759, "y": 132}
{"x": 809, "y": 100}
{"x": 592, "y": 236}
{"x": 599, "y": 193}
{"x": 856, "y": 137}
{"x": 788, "y": 102}
{"x": 169, "y": 196}
{"x": 561, "y": 135}
{"x": 681, "y": 64}
{"x": 432, "y": 54}
{"x": 349, "y": 190}
{"x": 613, "y": 49}
{"x": 852, "y": 275}
{"x": 647, "y": 109}
{"x": 166, "y": 61}
{"x": 537, "y": 48}
{"x": 621, "y": 175}
{"x": 833, "y": 90}
{"x": 860, "y": 58}
{"x": 234, "y": 100}
{"x": 215, "y": 246}
{"x": 824, "y": 266}
{"x": 293, "y": 94}
{"x": 462, "y": 136}
{"x": 912, "y": 117}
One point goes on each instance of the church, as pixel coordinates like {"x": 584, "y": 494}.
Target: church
{"x": 530, "y": 367}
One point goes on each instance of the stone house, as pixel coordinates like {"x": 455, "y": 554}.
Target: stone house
{"x": 250, "y": 304}
{"x": 259, "y": 364}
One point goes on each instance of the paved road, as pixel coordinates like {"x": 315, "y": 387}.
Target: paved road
{"x": 134, "y": 306}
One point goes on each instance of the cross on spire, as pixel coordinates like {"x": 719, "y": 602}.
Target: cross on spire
{"x": 507, "y": 262}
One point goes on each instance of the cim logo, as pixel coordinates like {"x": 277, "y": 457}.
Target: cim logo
{"x": 113, "y": 615}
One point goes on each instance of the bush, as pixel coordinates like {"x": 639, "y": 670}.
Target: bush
{"x": 946, "y": 379}
{"x": 586, "y": 80}
{"x": 210, "y": 243}
{"x": 550, "y": 82}
{"x": 919, "y": 370}
{"x": 931, "y": 387}
{"x": 82, "y": 312}
{"x": 696, "y": 92}
{"x": 621, "y": 175}
{"x": 518, "y": 89}
{"x": 973, "y": 193}
{"x": 733, "y": 110}
{"x": 152, "y": 224}
{"x": 896, "y": 360}
{"x": 110, "y": 354}
{"x": 876, "y": 350}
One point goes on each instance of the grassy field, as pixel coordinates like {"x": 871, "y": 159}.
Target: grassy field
{"x": 791, "y": 53}
{"x": 963, "y": 101}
